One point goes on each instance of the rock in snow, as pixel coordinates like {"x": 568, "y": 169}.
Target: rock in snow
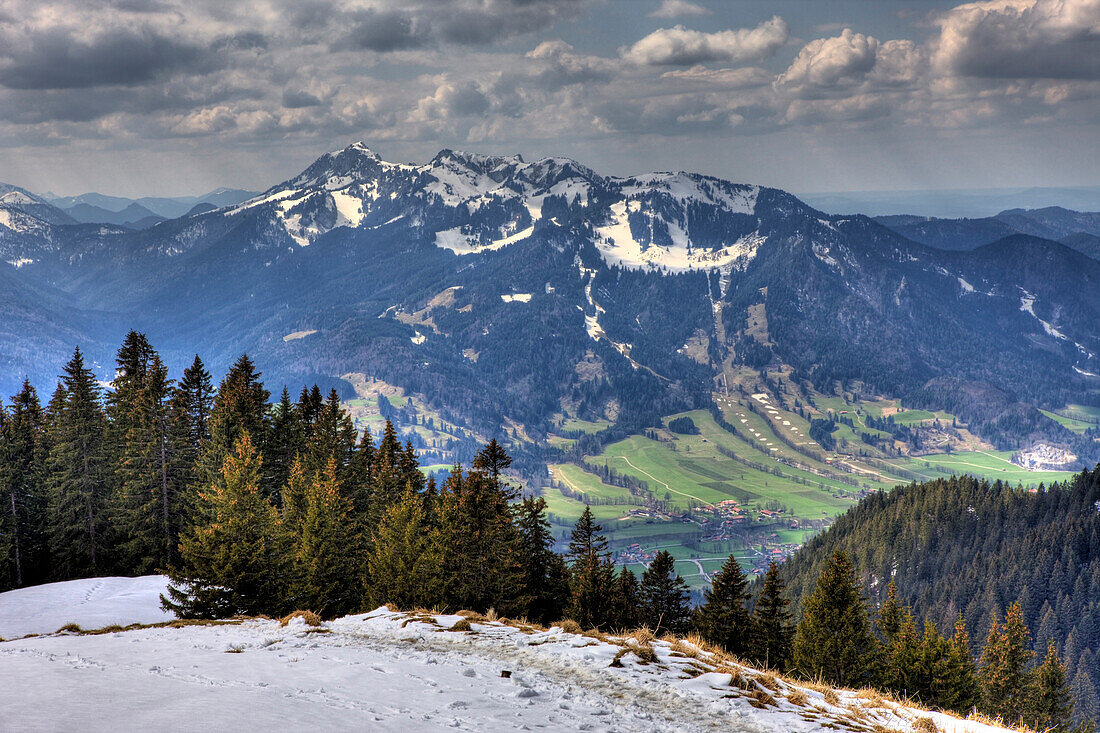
{"x": 390, "y": 671}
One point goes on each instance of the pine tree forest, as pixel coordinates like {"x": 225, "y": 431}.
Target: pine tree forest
{"x": 253, "y": 506}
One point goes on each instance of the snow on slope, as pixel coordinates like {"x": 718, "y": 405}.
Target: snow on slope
{"x": 390, "y": 671}
{"x": 91, "y": 603}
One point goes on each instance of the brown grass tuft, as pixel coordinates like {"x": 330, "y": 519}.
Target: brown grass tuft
{"x": 760, "y": 699}
{"x": 569, "y": 626}
{"x": 831, "y": 697}
{"x": 70, "y": 629}
{"x": 462, "y": 625}
{"x": 311, "y": 618}
{"x": 644, "y": 635}
{"x": 472, "y": 616}
{"x": 797, "y": 697}
{"x": 925, "y": 725}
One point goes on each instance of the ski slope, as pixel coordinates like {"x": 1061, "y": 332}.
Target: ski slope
{"x": 391, "y": 671}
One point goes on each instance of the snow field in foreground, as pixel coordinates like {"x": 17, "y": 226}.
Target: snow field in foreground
{"x": 391, "y": 671}
{"x": 91, "y": 603}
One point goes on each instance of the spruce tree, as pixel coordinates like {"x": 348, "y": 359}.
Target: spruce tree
{"x": 723, "y": 618}
{"x": 773, "y": 632}
{"x": 481, "y": 564}
{"x": 545, "y": 578}
{"x": 284, "y": 443}
{"x": 960, "y": 676}
{"x": 23, "y": 498}
{"x": 1004, "y": 667}
{"x": 592, "y": 573}
{"x": 239, "y": 407}
{"x": 625, "y": 601}
{"x": 833, "y": 640}
{"x": 236, "y": 557}
{"x": 1085, "y": 704}
{"x": 143, "y": 504}
{"x": 295, "y": 495}
{"x": 664, "y": 596}
{"x": 405, "y": 562}
{"x": 1049, "y": 704}
{"x": 75, "y": 478}
{"x": 330, "y": 576}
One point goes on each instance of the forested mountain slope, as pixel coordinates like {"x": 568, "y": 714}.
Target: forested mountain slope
{"x": 513, "y": 292}
{"x": 964, "y": 547}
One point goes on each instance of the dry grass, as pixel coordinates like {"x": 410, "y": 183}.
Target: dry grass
{"x": 644, "y": 636}
{"x": 797, "y": 697}
{"x": 462, "y": 625}
{"x": 831, "y": 697}
{"x": 925, "y": 725}
{"x": 70, "y": 629}
{"x": 760, "y": 699}
{"x": 310, "y": 618}
{"x": 873, "y": 697}
{"x": 768, "y": 680}
{"x": 491, "y": 615}
{"x": 569, "y": 626}
{"x": 472, "y": 616}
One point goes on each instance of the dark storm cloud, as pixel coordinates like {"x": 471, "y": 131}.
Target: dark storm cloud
{"x": 54, "y": 59}
{"x": 299, "y": 99}
{"x": 385, "y": 31}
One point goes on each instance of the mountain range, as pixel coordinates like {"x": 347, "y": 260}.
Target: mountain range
{"x": 514, "y": 292}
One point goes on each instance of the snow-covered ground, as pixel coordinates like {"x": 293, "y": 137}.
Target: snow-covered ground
{"x": 390, "y": 671}
{"x": 91, "y": 603}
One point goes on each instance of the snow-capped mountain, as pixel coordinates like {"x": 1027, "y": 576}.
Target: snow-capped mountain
{"x": 511, "y": 290}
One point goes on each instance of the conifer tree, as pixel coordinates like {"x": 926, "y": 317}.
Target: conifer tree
{"x": 296, "y": 498}
{"x": 1085, "y": 705}
{"x": 592, "y": 573}
{"x": 23, "y": 499}
{"x": 545, "y": 579}
{"x": 239, "y": 407}
{"x": 960, "y": 678}
{"x": 481, "y": 563}
{"x": 329, "y": 574}
{"x": 404, "y": 562}
{"x": 833, "y": 640}
{"x": 723, "y": 618}
{"x": 1004, "y": 666}
{"x": 625, "y": 601}
{"x": 773, "y": 632}
{"x": 664, "y": 596}
{"x": 1049, "y": 704}
{"x": 236, "y": 558}
{"x": 284, "y": 443}
{"x": 189, "y": 416}
{"x": 75, "y": 479}
{"x": 144, "y": 505}
{"x": 333, "y": 436}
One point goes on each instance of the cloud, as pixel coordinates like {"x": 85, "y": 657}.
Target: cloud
{"x": 679, "y": 46}
{"x": 56, "y": 59}
{"x": 451, "y": 100}
{"x": 297, "y": 99}
{"x": 1021, "y": 39}
{"x": 385, "y": 31}
{"x": 678, "y": 9}
{"x": 831, "y": 62}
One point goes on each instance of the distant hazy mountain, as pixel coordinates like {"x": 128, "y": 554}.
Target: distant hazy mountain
{"x": 143, "y": 212}
{"x": 506, "y": 290}
{"x": 954, "y": 203}
{"x": 1075, "y": 229}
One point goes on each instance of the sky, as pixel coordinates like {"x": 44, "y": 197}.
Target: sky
{"x": 173, "y": 97}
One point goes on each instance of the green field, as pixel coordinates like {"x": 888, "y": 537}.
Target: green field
{"x": 584, "y": 426}
{"x": 983, "y": 464}
{"x": 1077, "y": 426}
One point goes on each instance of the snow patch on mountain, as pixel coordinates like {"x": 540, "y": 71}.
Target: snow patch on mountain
{"x": 1027, "y": 305}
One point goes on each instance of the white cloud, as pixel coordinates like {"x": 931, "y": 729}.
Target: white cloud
{"x": 679, "y": 9}
{"x": 679, "y": 46}
{"x": 1021, "y": 39}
